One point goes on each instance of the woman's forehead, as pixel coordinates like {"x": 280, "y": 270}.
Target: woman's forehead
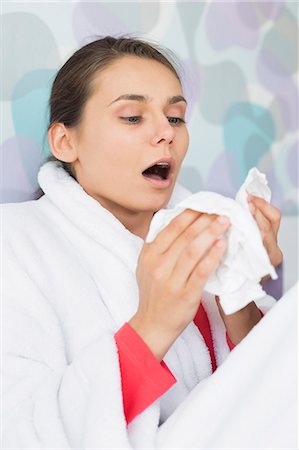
{"x": 132, "y": 63}
{"x": 136, "y": 75}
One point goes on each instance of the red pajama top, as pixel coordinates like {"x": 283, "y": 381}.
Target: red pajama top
{"x": 144, "y": 379}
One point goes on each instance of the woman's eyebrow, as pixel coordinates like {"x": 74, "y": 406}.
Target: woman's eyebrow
{"x": 176, "y": 99}
{"x": 145, "y": 98}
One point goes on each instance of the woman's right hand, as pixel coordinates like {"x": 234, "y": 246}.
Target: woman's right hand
{"x": 171, "y": 274}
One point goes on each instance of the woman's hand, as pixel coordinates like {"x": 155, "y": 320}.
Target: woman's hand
{"x": 171, "y": 274}
{"x": 268, "y": 220}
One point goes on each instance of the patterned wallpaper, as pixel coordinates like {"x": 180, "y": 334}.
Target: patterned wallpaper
{"x": 240, "y": 77}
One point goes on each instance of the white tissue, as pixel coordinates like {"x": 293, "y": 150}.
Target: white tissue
{"x": 236, "y": 280}
{"x": 256, "y": 184}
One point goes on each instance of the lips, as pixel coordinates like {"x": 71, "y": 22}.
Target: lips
{"x": 160, "y": 170}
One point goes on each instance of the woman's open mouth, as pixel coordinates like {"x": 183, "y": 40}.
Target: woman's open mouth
{"x": 160, "y": 173}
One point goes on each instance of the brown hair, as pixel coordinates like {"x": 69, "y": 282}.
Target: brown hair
{"x": 72, "y": 86}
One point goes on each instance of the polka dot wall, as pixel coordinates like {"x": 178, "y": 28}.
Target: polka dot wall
{"x": 240, "y": 63}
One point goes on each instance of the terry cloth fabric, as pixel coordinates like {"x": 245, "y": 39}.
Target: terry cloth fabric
{"x": 237, "y": 279}
{"x": 251, "y": 401}
{"x": 144, "y": 379}
{"x": 69, "y": 285}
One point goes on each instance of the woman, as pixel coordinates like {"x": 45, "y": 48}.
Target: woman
{"x": 105, "y": 335}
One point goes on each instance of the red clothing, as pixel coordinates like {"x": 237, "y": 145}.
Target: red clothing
{"x": 202, "y": 322}
{"x": 144, "y": 378}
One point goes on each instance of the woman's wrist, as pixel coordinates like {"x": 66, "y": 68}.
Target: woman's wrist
{"x": 158, "y": 342}
{"x": 240, "y": 323}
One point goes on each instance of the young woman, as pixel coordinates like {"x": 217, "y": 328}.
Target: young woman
{"x": 105, "y": 334}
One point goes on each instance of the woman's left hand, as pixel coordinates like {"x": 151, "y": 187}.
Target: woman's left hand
{"x": 268, "y": 220}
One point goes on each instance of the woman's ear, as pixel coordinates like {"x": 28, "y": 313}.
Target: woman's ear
{"x": 61, "y": 143}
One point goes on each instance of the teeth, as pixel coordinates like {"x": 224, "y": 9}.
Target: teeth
{"x": 162, "y": 164}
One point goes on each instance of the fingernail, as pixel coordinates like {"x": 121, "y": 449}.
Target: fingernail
{"x": 249, "y": 197}
{"x": 223, "y": 219}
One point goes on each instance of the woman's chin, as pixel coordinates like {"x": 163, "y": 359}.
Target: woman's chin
{"x": 154, "y": 203}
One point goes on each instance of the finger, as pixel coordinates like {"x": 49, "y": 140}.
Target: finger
{"x": 172, "y": 254}
{"x": 175, "y": 228}
{"x": 263, "y": 223}
{"x": 268, "y": 235}
{"x": 190, "y": 233}
{"x": 207, "y": 266}
{"x": 269, "y": 211}
{"x": 252, "y": 208}
{"x": 197, "y": 248}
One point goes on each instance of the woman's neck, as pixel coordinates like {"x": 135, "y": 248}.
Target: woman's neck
{"x": 137, "y": 222}
{"x": 138, "y": 225}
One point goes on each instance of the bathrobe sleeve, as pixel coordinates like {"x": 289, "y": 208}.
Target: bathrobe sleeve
{"x": 47, "y": 401}
{"x": 144, "y": 378}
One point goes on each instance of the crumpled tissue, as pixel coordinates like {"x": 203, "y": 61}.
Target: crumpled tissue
{"x": 237, "y": 278}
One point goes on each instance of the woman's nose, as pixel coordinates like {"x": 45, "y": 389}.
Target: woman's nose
{"x": 163, "y": 132}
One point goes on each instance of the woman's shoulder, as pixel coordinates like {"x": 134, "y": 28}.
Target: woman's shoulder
{"x": 16, "y": 215}
{"x": 10, "y": 207}
{"x": 15, "y": 208}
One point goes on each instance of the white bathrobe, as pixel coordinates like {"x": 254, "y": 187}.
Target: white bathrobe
{"x": 69, "y": 285}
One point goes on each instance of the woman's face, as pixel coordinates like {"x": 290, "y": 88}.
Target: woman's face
{"x": 134, "y": 119}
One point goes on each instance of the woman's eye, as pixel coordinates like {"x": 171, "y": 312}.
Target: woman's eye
{"x": 132, "y": 119}
{"x": 137, "y": 119}
{"x": 175, "y": 120}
